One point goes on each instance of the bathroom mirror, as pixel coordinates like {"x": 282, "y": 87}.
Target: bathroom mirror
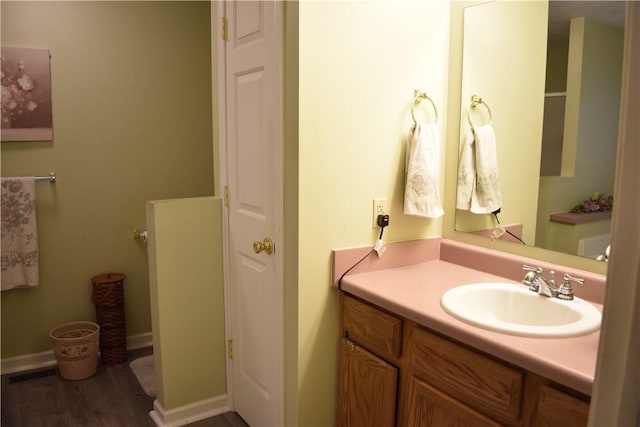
{"x": 549, "y": 77}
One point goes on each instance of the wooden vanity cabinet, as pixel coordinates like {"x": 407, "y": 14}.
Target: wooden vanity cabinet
{"x": 426, "y": 406}
{"x": 368, "y": 374}
{"x": 367, "y": 389}
{"x": 371, "y": 327}
{"x": 477, "y": 382}
{"x": 557, "y": 408}
{"x": 395, "y": 372}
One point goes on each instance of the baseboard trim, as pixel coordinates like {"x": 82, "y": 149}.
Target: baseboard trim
{"x": 27, "y": 362}
{"x": 135, "y": 342}
{"x": 190, "y": 413}
{"x": 45, "y": 359}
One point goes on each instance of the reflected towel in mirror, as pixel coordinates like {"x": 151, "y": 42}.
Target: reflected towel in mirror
{"x": 422, "y": 167}
{"x": 478, "y": 176}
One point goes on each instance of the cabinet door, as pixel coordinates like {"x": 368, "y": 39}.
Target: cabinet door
{"x": 483, "y": 383}
{"x": 367, "y": 388}
{"x": 556, "y": 408}
{"x": 428, "y": 407}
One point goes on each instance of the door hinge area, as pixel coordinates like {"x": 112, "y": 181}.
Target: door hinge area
{"x": 226, "y": 195}
{"x": 225, "y": 26}
{"x": 230, "y": 349}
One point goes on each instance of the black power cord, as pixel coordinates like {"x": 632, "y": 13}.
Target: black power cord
{"x": 383, "y": 221}
{"x": 495, "y": 215}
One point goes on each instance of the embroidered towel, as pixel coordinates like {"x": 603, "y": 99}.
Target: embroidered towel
{"x": 487, "y": 196}
{"x": 466, "y": 173}
{"x": 422, "y": 193}
{"x": 19, "y": 233}
{"x": 478, "y": 175}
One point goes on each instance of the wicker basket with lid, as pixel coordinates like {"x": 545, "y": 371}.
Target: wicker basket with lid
{"x": 108, "y": 298}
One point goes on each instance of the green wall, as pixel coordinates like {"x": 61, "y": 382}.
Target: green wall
{"x": 132, "y": 122}
{"x": 187, "y": 310}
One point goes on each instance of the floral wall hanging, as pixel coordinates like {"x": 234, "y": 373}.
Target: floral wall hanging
{"x": 26, "y": 95}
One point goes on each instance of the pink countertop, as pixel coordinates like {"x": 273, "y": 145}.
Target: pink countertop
{"x": 414, "y": 292}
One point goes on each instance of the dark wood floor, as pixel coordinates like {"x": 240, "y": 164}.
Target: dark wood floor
{"x": 111, "y": 398}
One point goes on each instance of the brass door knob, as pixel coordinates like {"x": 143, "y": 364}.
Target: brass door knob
{"x": 266, "y": 245}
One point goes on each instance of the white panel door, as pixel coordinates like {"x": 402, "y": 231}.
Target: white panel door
{"x": 253, "y": 112}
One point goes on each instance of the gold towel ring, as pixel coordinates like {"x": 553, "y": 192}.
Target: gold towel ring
{"x": 419, "y": 96}
{"x": 475, "y": 101}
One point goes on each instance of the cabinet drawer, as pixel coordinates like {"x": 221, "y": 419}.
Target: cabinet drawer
{"x": 481, "y": 382}
{"x": 556, "y": 408}
{"x": 428, "y": 407}
{"x": 374, "y": 329}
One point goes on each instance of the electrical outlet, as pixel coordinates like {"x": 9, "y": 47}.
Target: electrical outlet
{"x": 379, "y": 208}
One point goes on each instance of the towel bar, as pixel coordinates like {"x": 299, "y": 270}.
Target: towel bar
{"x": 419, "y": 96}
{"x": 475, "y": 101}
{"x": 51, "y": 178}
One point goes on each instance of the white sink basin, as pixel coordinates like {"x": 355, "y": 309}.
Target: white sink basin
{"x": 515, "y": 310}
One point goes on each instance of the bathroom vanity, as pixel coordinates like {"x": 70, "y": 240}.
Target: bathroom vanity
{"x": 404, "y": 361}
{"x": 393, "y": 371}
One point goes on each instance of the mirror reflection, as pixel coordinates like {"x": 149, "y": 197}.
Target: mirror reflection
{"x": 549, "y": 75}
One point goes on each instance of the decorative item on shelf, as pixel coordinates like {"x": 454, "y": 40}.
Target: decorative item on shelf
{"x": 598, "y": 202}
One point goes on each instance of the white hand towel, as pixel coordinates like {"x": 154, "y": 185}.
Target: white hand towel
{"x": 422, "y": 193}
{"x": 478, "y": 176}
{"x": 466, "y": 173}
{"x": 487, "y": 196}
{"x": 19, "y": 233}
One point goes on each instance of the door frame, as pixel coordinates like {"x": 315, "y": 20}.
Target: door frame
{"x": 221, "y": 65}
{"x": 222, "y": 161}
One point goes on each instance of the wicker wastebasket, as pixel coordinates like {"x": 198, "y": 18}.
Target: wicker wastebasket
{"x": 108, "y": 298}
{"x": 75, "y": 347}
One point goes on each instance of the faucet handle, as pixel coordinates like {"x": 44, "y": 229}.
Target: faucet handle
{"x": 531, "y": 278}
{"x": 531, "y": 282}
{"x": 566, "y": 292}
{"x": 568, "y": 278}
{"x": 537, "y": 270}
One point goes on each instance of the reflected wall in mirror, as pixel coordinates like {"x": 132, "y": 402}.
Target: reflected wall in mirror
{"x": 551, "y": 73}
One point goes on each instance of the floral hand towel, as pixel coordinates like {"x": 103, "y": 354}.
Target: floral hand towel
{"x": 19, "y": 233}
{"x": 422, "y": 187}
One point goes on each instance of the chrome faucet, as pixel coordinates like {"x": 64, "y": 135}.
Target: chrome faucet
{"x": 548, "y": 288}
{"x": 537, "y": 282}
